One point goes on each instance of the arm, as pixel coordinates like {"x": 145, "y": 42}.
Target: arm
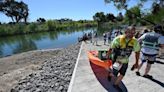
{"x": 137, "y": 54}
{"x": 140, "y": 39}
{"x": 108, "y": 53}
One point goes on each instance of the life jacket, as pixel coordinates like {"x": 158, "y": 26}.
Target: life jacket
{"x": 151, "y": 41}
{"x": 124, "y": 49}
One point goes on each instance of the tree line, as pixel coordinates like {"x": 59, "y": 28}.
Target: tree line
{"x": 134, "y": 14}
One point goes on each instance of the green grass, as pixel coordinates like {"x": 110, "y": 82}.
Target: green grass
{"x": 50, "y": 25}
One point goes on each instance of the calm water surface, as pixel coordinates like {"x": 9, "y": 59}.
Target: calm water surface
{"x": 46, "y": 40}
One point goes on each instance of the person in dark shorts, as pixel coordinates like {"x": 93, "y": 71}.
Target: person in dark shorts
{"x": 121, "y": 48}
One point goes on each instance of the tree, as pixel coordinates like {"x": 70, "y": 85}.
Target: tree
{"x": 120, "y": 17}
{"x": 41, "y": 20}
{"x": 15, "y": 10}
{"x": 123, "y": 4}
{"x": 23, "y": 11}
{"x": 133, "y": 14}
{"x": 120, "y": 4}
{"x": 99, "y": 17}
{"x": 155, "y": 8}
{"x": 110, "y": 17}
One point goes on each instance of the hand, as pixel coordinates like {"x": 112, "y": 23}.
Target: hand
{"x": 107, "y": 57}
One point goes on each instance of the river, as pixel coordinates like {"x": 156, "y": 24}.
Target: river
{"x": 45, "y": 40}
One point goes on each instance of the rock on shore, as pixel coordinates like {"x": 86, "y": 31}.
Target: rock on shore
{"x": 54, "y": 75}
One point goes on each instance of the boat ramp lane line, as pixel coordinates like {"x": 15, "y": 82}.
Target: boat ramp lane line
{"x": 74, "y": 71}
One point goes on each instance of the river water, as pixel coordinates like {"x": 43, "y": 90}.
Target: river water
{"x": 45, "y": 40}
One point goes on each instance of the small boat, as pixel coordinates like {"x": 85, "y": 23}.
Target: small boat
{"x": 93, "y": 57}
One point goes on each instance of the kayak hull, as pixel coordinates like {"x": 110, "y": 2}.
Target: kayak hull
{"x": 93, "y": 57}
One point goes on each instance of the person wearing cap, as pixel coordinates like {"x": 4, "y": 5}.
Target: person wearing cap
{"x": 121, "y": 48}
{"x": 150, "y": 44}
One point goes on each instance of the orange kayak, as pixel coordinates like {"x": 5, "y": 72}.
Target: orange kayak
{"x": 93, "y": 57}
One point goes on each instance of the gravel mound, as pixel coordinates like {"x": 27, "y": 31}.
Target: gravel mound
{"x": 54, "y": 75}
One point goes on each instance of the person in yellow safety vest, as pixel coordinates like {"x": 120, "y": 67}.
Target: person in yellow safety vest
{"x": 121, "y": 48}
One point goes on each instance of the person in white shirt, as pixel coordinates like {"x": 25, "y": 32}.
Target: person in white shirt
{"x": 150, "y": 44}
{"x": 95, "y": 37}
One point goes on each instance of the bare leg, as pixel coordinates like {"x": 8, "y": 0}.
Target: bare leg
{"x": 110, "y": 74}
{"x": 118, "y": 80}
{"x": 139, "y": 67}
{"x": 147, "y": 68}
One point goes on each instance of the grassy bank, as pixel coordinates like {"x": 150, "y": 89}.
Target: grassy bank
{"x": 15, "y": 29}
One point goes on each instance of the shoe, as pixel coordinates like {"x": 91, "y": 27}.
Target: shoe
{"x": 132, "y": 68}
{"x": 138, "y": 73}
{"x": 148, "y": 76}
{"x": 118, "y": 88}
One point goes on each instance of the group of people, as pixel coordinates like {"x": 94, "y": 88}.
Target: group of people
{"x": 85, "y": 37}
{"x": 146, "y": 48}
{"x": 92, "y": 36}
{"x": 109, "y": 36}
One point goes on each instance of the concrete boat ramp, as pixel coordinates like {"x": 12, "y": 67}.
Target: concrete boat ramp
{"x": 88, "y": 77}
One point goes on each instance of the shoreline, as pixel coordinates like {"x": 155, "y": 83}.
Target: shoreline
{"x": 18, "y": 68}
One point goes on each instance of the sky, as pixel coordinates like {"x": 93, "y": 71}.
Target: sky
{"x": 72, "y": 9}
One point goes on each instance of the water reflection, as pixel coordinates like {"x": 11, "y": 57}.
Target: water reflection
{"x": 45, "y": 40}
{"x": 24, "y": 45}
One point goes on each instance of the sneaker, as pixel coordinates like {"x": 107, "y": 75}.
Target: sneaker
{"x": 118, "y": 88}
{"x": 138, "y": 73}
{"x": 148, "y": 76}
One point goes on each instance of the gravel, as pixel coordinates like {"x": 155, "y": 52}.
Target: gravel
{"x": 54, "y": 75}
